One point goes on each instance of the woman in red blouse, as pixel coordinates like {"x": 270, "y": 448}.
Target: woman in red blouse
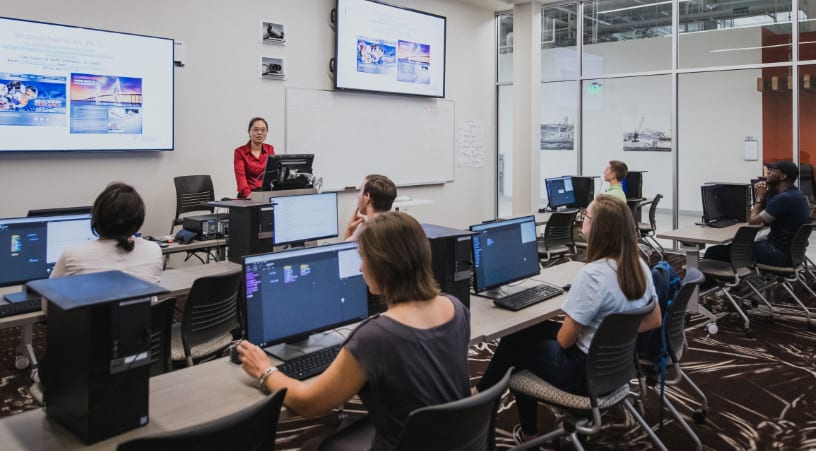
{"x": 250, "y": 159}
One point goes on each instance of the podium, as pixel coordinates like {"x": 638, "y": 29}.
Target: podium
{"x": 252, "y": 222}
{"x": 98, "y": 361}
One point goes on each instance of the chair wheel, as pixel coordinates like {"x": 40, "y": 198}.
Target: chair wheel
{"x": 21, "y": 362}
{"x": 749, "y": 333}
{"x": 712, "y": 328}
{"x": 699, "y": 416}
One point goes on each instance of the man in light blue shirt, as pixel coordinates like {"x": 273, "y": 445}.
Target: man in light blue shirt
{"x": 614, "y": 173}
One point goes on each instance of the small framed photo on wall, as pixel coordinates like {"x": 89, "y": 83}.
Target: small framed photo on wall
{"x": 272, "y": 68}
{"x": 272, "y": 33}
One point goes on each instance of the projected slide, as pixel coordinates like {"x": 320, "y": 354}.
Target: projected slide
{"x": 64, "y": 88}
{"x": 32, "y": 100}
{"x": 389, "y": 49}
{"x": 105, "y": 104}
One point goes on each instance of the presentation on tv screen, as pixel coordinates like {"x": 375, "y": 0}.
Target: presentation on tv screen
{"x": 65, "y": 88}
{"x": 389, "y": 49}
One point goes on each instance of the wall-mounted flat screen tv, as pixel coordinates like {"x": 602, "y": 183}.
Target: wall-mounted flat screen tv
{"x": 385, "y": 48}
{"x": 66, "y": 88}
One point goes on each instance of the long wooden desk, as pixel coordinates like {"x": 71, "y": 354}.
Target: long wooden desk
{"x": 488, "y": 322}
{"x": 177, "y": 281}
{"x": 219, "y": 244}
{"x": 692, "y": 239}
{"x": 214, "y": 389}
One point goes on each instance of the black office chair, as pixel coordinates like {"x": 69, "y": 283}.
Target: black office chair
{"x": 610, "y": 364}
{"x": 786, "y": 275}
{"x": 192, "y": 193}
{"x": 674, "y": 336}
{"x": 467, "y": 424}
{"x": 210, "y": 320}
{"x": 806, "y": 181}
{"x": 647, "y": 231}
{"x": 733, "y": 272}
{"x": 251, "y": 429}
{"x": 161, "y": 329}
{"x": 558, "y": 240}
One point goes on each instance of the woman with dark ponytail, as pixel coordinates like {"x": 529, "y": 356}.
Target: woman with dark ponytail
{"x": 118, "y": 213}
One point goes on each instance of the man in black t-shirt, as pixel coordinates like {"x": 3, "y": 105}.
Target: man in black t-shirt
{"x": 780, "y": 205}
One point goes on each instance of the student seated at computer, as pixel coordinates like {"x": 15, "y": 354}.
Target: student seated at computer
{"x": 249, "y": 160}
{"x": 377, "y": 194}
{"x": 411, "y": 356}
{"x": 780, "y": 205}
{"x": 615, "y": 279}
{"x": 117, "y": 214}
{"x": 614, "y": 173}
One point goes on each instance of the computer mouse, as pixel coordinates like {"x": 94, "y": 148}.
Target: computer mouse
{"x": 163, "y": 245}
{"x": 567, "y": 287}
{"x": 233, "y": 353}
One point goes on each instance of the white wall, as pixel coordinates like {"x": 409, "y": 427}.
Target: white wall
{"x": 218, "y": 90}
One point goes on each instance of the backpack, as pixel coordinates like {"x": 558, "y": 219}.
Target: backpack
{"x": 667, "y": 284}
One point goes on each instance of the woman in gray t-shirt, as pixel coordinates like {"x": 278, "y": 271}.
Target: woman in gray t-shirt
{"x": 413, "y": 355}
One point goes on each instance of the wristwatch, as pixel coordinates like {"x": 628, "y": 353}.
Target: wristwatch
{"x": 265, "y": 375}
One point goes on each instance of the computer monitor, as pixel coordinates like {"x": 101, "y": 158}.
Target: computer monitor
{"x": 632, "y": 185}
{"x": 584, "y": 191}
{"x": 503, "y": 252}
{"x": 293, "y": 294}
{"x": 736, "y": 200}
{"x": 60, "y": 211}
{"x": 288, "y": 171}
{"x": 726, "y": 201}
{"x": 560, "y": 192}
{"x": 306, "y": 217}
{"x": 29, "y": 247}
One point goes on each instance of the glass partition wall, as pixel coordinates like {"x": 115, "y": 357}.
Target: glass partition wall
{"x": 691, "y": 91}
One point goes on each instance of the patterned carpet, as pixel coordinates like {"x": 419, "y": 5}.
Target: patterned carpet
{"x": 761, "y": 391}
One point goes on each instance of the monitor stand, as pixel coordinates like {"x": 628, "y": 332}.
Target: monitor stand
{"x": 316, "y": 342}
{"x": 502, "y": 291}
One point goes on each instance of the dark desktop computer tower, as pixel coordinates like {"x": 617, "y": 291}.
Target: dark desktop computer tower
{"x": 451, "y": 259}
{"x": 97, "y": 369}
{"x": 253, "y": 230}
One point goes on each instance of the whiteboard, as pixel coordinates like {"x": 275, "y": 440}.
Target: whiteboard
{"x": 410, "y": 140}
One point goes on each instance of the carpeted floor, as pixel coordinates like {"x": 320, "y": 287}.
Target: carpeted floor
{"x": 761, "y": 391}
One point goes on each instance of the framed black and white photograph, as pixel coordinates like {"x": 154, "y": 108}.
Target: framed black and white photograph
{"x": 558, "y": 134}
{"x": 272, "y": 33}
{"x": 648, "y": 132}
{"x": 272, "y": 68}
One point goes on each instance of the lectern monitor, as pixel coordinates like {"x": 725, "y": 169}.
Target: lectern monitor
{"x": 29, "y": 247}
{"x": 288, "y": 171}
{"x": 504, "y": 252}
{"x": 305, "y": 217}
{"x": 293, "y": 294}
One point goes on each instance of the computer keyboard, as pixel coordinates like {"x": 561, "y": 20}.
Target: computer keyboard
{"x": 311, "y": 364}
{"x": 720, "y": 223}
{"x": 18, "y": 308}
{"x": 528, "y": 297}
